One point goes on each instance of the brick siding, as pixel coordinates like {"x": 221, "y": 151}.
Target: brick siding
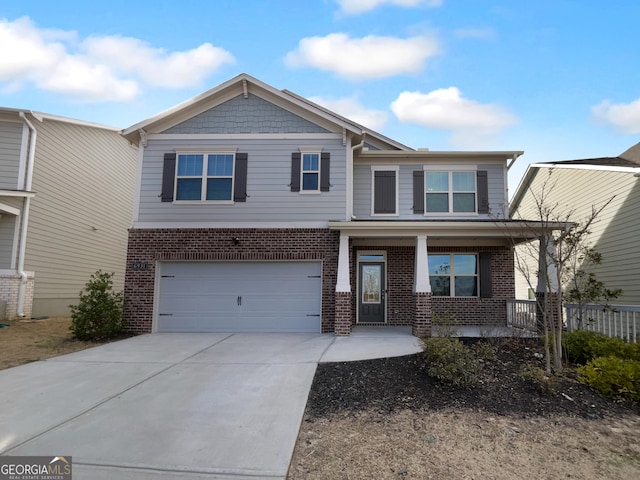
{"x": 148, "y": 246}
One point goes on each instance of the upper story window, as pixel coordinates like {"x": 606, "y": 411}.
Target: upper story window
{"x": 450, "y": 192}
{"x": 205, "y": 176}
{"x": 453, "y": 275}
{"x": 310, "y": 172}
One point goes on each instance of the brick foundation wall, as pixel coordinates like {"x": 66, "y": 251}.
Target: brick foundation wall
{"x": 148, "y": 246}
{"x": 9, "y": 286}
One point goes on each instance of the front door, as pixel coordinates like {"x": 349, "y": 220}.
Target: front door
{"x": 371, "y": 295}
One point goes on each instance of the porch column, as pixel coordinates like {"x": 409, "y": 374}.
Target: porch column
{"x": 422, "y": 290}
{"x": 548, "y": 292}
{"x": 342, "y": 324}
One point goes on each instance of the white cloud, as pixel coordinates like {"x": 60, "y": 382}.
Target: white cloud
{"x": 352, "y": 109}
{"x": 156, "y": 66}
{"x": 96, "y": 69}
{"x": 355, "y": 7}
{"x": 363, "y": 58}
{"x": 470, "y": 122}
{"x": 625, "y": 117}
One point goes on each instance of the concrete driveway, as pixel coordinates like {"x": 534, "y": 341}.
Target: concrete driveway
{"x": 179, "y": 406}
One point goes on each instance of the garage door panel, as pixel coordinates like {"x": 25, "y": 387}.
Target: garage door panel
{"x": 240, "y": 296}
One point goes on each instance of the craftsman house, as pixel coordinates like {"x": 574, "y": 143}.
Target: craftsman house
{"x": 259, "y": 211}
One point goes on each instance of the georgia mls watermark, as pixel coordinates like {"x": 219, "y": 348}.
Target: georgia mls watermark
{"x": 35, "y": 468}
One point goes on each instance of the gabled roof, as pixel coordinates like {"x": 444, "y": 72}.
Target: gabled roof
{"x": 628, "y": 161}
{"x": 245, "y": 84}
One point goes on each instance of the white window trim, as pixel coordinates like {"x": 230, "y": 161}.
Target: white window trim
{"x": 450, "y": 169}
{"x": 384, "y": 168}
{"x": 310, "y": 151}
{"x": 452, "y": 275}
{"x": 204, "y": 176}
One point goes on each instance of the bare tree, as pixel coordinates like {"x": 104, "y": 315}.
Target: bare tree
{"x": 560, "y": 237}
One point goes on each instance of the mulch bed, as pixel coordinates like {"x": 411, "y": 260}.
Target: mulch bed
{"x": 391, "y": 384}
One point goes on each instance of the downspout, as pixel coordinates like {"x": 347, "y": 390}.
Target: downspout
{"x": 22, "y": 247}
{"x": 350, "y": 179}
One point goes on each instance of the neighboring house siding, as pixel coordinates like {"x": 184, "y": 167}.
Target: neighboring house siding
{"x": 246, "y": 115}
{"x": 615, "y": 232}
{"x": 362, "y": 192}
{"x": 268, "y": 178}
{"x": 10, "y": 145}
{"x": 7, "y": 232}
{"x": 84, "y": 181}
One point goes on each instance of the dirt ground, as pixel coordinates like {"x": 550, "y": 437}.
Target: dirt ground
{"x": 27, "y": 341}
{"x": 386, "y": 419}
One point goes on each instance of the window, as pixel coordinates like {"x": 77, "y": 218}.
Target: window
{"x": 453, "y": 275}
{"x": 204, "y": 176}
{"x": 310, "y": 172}
{"x": 450, "y": 192}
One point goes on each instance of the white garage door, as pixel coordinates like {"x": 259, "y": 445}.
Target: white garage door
{"x": 239, "y": 297}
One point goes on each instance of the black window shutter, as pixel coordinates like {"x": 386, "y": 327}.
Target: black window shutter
{"x": 240, "y": 178}
{"x": 384, "y": 185}
{"x": 325, "y": 164}
{"x": 168, "y": 177}
{"x": 418, "y": 191}
{"x": 483, "y": 191}
{"x": 485, "y": 275}
{"x": 295, "y": 171}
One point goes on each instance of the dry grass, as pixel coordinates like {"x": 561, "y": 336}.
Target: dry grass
{"x": 465, "y": 445}
{"x": 27, "y": 341}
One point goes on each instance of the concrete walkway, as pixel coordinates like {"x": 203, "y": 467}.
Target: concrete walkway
{"x": 177, "y": 406}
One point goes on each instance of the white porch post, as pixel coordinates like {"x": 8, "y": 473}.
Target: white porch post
{"x": 421, "y": 275}
{"x": 343, "y": 283}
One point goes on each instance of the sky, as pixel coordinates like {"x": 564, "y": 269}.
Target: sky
{"x": 557, "y": 79}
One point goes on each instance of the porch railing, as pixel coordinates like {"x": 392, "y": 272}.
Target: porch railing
{"x": 522, "y": 314}
{"x": 622, "y": 321}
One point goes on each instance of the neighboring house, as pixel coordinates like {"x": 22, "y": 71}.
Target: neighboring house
{"x": 258, "y": 210}
{"x": 66, "y": 196}
{"x": 573, "y": 188}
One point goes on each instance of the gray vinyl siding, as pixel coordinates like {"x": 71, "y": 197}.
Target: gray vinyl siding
{"x": 84, "y": 180}
{"x": 614, "y": 234}
{"x": 7, "y": 232}
{"x": 268, "y": 178}
{"x": 246, "y": 115}
{"x": 10, "y": 145}
{"x": 362, "y": 192}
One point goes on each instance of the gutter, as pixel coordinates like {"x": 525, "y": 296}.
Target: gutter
{"x": 22, "y": 246}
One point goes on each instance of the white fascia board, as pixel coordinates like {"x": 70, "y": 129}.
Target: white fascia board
{"x": 501, "y": 156}
{"x": 528, "y": 229}
{"x": 573, "y": 166}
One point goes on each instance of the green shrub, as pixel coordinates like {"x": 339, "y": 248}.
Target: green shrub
{"x": 582, "y": 346}
{"x": 484, "y": 351}
{"x": 98, "y": 315}
{"x": 612, "y": 376}
{"x": 450, "y": 361}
